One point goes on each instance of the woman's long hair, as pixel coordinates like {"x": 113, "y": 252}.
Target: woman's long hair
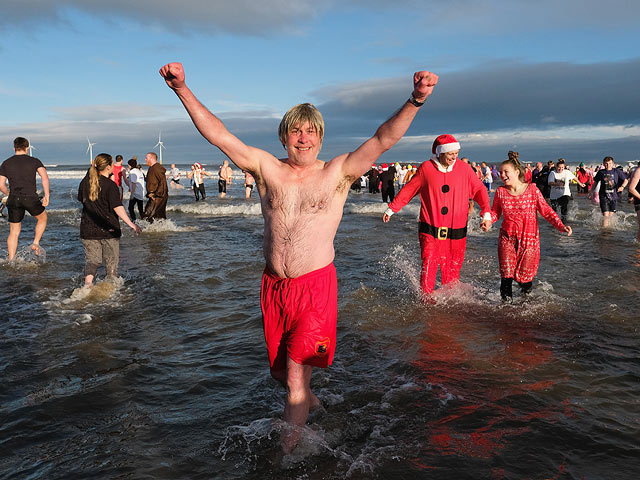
{"x": 101, "y": 162}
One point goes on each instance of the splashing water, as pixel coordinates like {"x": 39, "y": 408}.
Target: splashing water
{"x": 164, "y": 225}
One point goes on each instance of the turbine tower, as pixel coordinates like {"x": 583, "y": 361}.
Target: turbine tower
{"x": 161, "y": 145}
{"x": 90, "y": 150}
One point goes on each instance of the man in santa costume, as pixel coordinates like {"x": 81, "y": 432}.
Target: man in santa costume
{"x": 445, "y": 186}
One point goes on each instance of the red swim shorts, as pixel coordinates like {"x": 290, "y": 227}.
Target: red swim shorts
{"x": 299, "y": 316}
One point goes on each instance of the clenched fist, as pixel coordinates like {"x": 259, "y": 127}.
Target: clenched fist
{"x": 173, "y": 74}
{"x": 423, "y": 83}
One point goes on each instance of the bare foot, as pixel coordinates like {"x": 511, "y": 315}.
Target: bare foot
{"x": 36, "y": 248}
{"x": 289, "y": 438}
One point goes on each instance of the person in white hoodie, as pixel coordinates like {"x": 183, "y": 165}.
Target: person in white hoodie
{"x": 136, "y": 187}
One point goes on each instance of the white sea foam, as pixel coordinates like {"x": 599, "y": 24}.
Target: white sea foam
{"x": 67, "y": 174}
{"x": 379, "y": 208}
{"x": 63, "y": 211}
{"x": 164, "y": 225}
{"x": 203, "y": 208}
{"x": 99, "y": 292}
{"x": 83, "y": 318}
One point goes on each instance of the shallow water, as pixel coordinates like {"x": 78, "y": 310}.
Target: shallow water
{"x": 164, "y": 374}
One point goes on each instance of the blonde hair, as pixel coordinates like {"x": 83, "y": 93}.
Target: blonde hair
{"x": 98, "y": 165}
{"x": 298, "y": 116}
{"x": 517, "y": 166}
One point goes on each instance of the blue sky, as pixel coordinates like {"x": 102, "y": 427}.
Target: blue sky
{"x": 548, "y": 78}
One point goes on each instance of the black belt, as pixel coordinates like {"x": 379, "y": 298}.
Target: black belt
{"x": 443, "y": 233}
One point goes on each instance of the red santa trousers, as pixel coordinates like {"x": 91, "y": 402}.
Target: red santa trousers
{"x": 446, "y": 254}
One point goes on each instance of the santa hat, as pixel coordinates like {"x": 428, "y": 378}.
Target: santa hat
{"x": 444, "y": 144}
{"x": 197, "y": 165}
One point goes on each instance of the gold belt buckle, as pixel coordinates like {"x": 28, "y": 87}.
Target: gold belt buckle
{"x": 442, "y": 233}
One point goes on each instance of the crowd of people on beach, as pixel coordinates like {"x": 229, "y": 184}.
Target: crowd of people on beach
{"x": 196, "y": 177}
{"x": 302, "y": 201}
{"x": 553, "y": 179}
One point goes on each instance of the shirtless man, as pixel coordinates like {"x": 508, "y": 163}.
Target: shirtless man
{"x": 248, "y": 184}
{"x": 225, "y": 178}
{"x": 302, "y": 200}
{"x": 174, "y": 176}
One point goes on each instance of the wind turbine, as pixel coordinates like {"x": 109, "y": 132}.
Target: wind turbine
{"x": 31, "y": 149}
{"x": 161, "y": 147}
{"x": 90, "y": 150}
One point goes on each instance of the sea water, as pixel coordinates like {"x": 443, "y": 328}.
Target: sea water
{"x": 163, "y": 372}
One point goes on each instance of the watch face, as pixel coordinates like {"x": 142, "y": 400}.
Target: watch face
{"x": 413, "y": 100}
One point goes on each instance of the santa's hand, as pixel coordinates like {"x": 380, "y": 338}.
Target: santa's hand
{"x": 385, "y": 218}
{"x": 568, "y": 230}
{"x": 485, "y": 225}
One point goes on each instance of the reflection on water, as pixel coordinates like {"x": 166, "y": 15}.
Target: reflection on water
{"x": 163, "y": 374}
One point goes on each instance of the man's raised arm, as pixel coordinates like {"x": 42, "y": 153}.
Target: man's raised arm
{"x": 391, "y": 131}
{"x": 210, "y": 126}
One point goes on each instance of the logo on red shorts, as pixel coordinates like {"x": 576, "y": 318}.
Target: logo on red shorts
{"x": 322, "y": 347}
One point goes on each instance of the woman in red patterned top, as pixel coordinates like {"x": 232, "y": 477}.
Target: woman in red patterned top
{"x": 519, "y": 240}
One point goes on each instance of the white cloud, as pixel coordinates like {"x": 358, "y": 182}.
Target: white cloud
{"x": 258, "y": 18}
{"x": 249, "y": 17}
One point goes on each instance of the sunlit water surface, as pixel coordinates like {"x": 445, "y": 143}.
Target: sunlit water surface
{"x": 163, "y": 374}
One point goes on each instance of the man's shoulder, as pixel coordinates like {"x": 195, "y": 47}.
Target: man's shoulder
{"x": 22, "y": 161}
{"x": 12, "y": 160}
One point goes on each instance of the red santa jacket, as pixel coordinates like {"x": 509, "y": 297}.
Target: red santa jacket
{"x": 444, "y": 195}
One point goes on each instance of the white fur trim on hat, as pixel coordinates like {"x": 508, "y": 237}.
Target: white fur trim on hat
{"x": 447, "y": 147}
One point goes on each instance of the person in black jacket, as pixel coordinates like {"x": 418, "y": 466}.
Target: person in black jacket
{"x": 386, "y": 178}
{"x": 374, "y": 180}
{"x": 542, "y": 180}
{"x": 99, "y": 226}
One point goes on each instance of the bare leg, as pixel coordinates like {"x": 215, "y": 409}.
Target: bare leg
{"x": 40, "y": 228}
{"x": 606, "y": 221}
{"x": 12, "y": 239}
{"x": 88, "y": 281}
{"x": 299, "y": 400}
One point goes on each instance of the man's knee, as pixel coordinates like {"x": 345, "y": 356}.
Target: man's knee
{"x": 298, "y": 378}
{"x": 14, "y": 230}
